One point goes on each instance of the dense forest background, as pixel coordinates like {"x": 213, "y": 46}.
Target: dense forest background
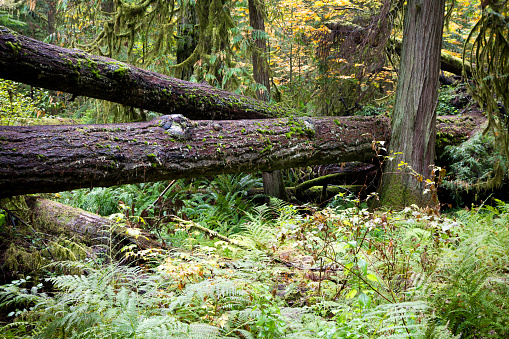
{"x": 219, "y": 256}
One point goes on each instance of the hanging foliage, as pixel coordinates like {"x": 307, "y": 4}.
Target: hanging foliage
{"x": 487, "y": 48}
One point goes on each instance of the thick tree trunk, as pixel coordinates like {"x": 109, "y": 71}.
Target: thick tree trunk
{"x": 448, "y": 62}
{"x": 273, "y": 184}
{"x": 39, "y": 64}
{"x": 36, "y": 159}
{"x": 414, "y": 118}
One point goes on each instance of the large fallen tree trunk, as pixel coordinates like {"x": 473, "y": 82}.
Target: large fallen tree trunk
{"x": 40, "y": 64}
{"x": 37, "y": 159}
{"x": 56, "y": 218}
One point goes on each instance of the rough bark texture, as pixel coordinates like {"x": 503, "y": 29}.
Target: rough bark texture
{"x": 260, "y": 65}
{"x": 273, "y": 184}
{"x": 414, "y": 118}
{"x": 448, "y": 62}
{"x": 56, "y": 218}
{"x": 36, "y": 159}
{"x": 187, "y": 41}
{"x": 39, "y": 64}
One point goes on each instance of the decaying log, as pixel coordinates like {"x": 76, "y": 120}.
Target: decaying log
{"x": 36, "y": 159}
{"x": 90, "y": 228}
{"x": 43, "y": 65}
{"x": 353, "y": 174}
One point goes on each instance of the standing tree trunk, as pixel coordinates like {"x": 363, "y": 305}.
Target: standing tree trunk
{"x": 414, "y": 117}
{"x": 187, "y": 41}
{"x": 273, "y": 184}
{"x": 260, "y": 65}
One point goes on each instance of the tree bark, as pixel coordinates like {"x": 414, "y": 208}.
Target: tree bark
{"x": 414, "y": 117}
{"x": 37, "y": 159}
{"x": 187, "y": 40}
{"x": 52, "y": 217}
{"x": 39, "y": 64}
{"x": 260, "y": 64}
{"x": 448, "y": 62}
{"x": 273, "y": 183}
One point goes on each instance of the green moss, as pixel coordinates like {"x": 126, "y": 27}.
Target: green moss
{"x": 151, "y": 155}
{"x": 121, "y": 71}
{"x": 16, "y": 47}
{"x": 92, "y": 65}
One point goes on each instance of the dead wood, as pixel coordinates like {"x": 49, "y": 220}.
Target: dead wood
{"x": 38, "y": 159}
{"x": 92, "y": 229}
{"x": 73, "y": 71}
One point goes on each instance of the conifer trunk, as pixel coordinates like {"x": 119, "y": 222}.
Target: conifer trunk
{"x": 273, "y": 184}
{"x": 413, "y": 123}
{"x": 187, "y": 41}
{"x": 38, "y": 159}
{"x": 43, "y": 65}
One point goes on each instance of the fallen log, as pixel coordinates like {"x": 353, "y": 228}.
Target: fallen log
{"x": 54, "y": 218}
{"x": 43, "y": 65}
{"x": 37, "y": 159}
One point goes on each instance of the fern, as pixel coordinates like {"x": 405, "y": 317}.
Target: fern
{"x": 224, "y": 294}
{"x": 473, "y": 296}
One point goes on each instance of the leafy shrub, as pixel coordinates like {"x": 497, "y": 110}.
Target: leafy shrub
{"x": 225, "y": 204}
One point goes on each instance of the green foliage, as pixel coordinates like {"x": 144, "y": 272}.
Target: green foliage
{"x": 225, "y": 205}
{"x": 348, "y": 273}
{"x": 472, "y": 160}
{"x": 474, "y": 165}
{"x": 472, "y": 296}
{"x": 105, "y": 201}
{"x": 15, "y": 105}
{"x": 487, "y": 49}
{"x": 6, "y": 19}
{"x": 446, "y": 96}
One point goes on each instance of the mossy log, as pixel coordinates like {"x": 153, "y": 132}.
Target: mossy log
{"x": 52, "y": 217}
{"x": 350, "y": 175}
{"x": 37, "y": 159}
{"x": 43, "y": 65}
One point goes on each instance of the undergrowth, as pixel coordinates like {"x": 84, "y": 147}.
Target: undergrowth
{"x": 341, "y": 272}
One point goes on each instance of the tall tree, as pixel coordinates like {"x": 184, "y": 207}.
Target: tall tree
{"x": 187, "y": 41}
{"x": 273, "y": 184}
{"x": 414, "y": 118}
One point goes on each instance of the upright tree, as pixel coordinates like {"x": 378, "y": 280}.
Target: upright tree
{"x": 414, "y": 118}
{"x": 273, "y": 184}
